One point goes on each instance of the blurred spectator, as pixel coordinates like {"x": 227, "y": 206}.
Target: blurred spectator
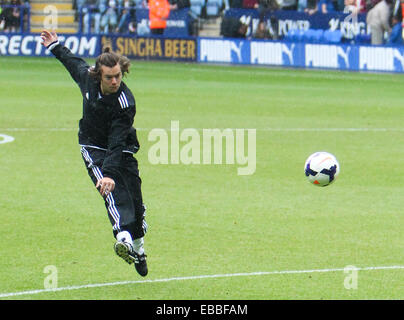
{"x": 309, "y": 4}
{"x": 250, "y": 4}
{"x": 238, "y": 4}
{"x": 132, "y": 26}
{"x": 26, "y": 13}
{"x": 193, "y": 19}
{"x": 179, "y": 4}
{"x": 378, "y": 20}
{"x": 2, "y": 17}
{"x": 266, "y": 7}
{"x": 109, "y": 19}
{"x": 306, "y": 5}
{"x": 93, "y": 10}
{"x": 267, "y": 30}
{"x": 371, "y": 4}
{"x": 262, "y": 31}
{"x": 339, "y": 5}
{"x": 78, "y": 5}
{"x": 287, "y": 4}
{"x": 301, "y": 5}
{"x": 11, "y": 16}
{"x": 127, "y": 18}
{"x": 142, "y": 28}
{"x": 396, "y": 37}
{"x": 326, "y": 6}
{"x": 350, "y": 6}
{"x": 234, "y": 28}
{"x": 355, "y": 6}
{"x": 271, "y": 5}
{"x": 159, "y": 10}
{"x": 323, "y": 6}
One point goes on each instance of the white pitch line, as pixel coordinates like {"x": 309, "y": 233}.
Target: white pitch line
{"x": 5, "y": 139}
{"x": 229, "y": 275}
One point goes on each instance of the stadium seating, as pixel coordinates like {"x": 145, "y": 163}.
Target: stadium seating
{"x": 213, "y": 7}
{"x": 332, "y": 36}
{"x": 137, "y": 3}
{"x": 295, "y": 35}
{"x": 308, "y": 35}
{"x": 196, "y": 7}
{"x": 318, "y": 35}
{"x": 314, "y": 36}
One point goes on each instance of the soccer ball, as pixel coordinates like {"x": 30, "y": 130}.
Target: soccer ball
{"x": 321, "y": 168}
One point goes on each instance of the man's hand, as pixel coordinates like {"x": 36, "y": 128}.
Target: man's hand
{"x": 105, "y": 186}
{"x": 48, "y": 37}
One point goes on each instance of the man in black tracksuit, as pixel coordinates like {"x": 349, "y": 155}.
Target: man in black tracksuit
{"x": 108, "y": 142}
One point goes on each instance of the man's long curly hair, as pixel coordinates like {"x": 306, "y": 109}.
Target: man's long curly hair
{"x": 109, "y": 59}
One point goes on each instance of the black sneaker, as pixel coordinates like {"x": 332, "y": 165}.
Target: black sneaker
{"x": 140, "y": 264}
{"x": 126, "y": 252}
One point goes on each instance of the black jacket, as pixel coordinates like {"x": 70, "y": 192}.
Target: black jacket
{"x": 107, "y": 121}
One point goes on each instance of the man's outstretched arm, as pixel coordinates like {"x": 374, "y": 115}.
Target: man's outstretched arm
{"x": 76, "y": 66}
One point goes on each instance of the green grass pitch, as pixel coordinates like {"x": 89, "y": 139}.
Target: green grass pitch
{"x": 244, "y": 233}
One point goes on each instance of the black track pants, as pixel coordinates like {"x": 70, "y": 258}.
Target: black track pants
{"x": 125, "y": 207}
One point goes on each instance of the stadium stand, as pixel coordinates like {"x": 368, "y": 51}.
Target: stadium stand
{"x": 332, "y": 36}
{"x": 213, "y": 8}
{"x": 138, "y": 3}
{"x": 14, "y": 16}
{"x": 211, "y": 17}
{"x": 206, "y": 18}
{"x": 314, "y": 36}
{"x": 294, "y": 35}
{"x": 196, "y": 7}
